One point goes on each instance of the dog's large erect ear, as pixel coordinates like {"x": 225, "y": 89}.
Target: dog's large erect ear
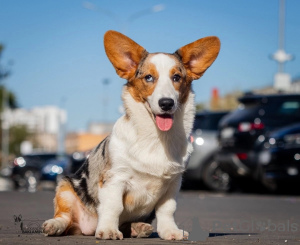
{"x": 123, "y": 53}
{"x": 199, "y": 55}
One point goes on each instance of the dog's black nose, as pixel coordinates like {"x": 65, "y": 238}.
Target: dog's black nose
{"x": 166, "y": 104}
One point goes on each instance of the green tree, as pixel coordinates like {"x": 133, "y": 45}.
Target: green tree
{"x": 200, "y": 107}
{"x": 1, "y": 49}
{"x": 10, "y": 97}
{"x": 17, "y": 134}
{"x": 4, "y": 73}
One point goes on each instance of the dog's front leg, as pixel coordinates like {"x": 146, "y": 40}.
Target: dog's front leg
{"x": 109, "y": 211}
{"x": 166, "y": 226}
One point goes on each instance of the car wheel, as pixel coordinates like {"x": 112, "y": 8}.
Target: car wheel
{"x": 270, "y": 185}
{"x": 215, "y": 178}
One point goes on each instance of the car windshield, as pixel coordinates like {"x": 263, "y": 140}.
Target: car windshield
{"x": 246, "y": 110}
{"x": 207, "y": 122}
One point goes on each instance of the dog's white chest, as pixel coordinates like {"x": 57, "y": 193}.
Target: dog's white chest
{"x": 144, "y": 151}
{"x": 141, "y": 196}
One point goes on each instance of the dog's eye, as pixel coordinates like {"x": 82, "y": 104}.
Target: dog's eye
{"x": 176, "y": 78}
{"x": 149, "y": 78}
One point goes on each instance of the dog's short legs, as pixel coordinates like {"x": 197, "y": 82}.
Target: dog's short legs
{"x": 64, "y": 201}
{"x": 110, "y": 208}
{"x": 166, "y": 226}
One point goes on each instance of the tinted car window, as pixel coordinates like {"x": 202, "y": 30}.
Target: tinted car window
{"x": 289, "y": 108}
{"x": 245, "y": 110}
{"x": 207, "y": 122}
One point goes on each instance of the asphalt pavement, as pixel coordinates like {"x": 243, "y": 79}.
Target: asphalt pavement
{"x": 210, "y": 218}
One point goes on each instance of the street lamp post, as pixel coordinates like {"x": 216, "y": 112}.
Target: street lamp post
{"x": 134, "y": 16}
{"x": 61, "y": 134}
{"x": 105, "y": 98}
{"x": 282, "y": 80}
{"x": 131, "y": 18}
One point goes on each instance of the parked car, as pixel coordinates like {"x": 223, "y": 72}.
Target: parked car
{"x": 202, "y": 165}
{"x": 278, "y": 157}
{"x": 29, "y": 170}
{"x": 239, "y": 131}
{"x": 78, "y": 159}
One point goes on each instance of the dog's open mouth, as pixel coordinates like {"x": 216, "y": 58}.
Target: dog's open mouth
{"x": 164, "y": 122}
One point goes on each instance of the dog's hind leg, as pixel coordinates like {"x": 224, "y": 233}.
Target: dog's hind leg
{"x": 64, "y": 202}
{"x": 137, "y": 229}
{"x": 141, "y": 229}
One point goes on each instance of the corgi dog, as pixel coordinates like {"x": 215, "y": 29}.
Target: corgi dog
{"x": 135, "y": 173}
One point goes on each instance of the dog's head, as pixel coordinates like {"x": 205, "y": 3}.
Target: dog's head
{"x": 159, "y": 80}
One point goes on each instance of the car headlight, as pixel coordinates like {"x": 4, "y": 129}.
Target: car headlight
{"x": 53, "y": 169}
{"x": 199, "y": 141}
{"x": 292, "y": 139}
{"x": 264, "y": 157}
{"x": 20, "y": 161}
{"x": 57, "y": 169}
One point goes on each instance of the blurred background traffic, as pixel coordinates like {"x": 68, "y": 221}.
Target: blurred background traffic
{"x": 59, "y": 95}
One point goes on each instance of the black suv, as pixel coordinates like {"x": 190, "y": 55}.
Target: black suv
{"x": 255, "y": 118}
{"x": 278, "y": 158}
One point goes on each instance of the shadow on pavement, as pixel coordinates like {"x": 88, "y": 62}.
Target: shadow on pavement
{"x": 231, "y": 234}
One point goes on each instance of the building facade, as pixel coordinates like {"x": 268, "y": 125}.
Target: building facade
{"x": 45, "y": 123}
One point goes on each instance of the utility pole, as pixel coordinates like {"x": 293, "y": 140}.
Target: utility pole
{"x": 282, "y": 80}
{"x": 61, "y": 120}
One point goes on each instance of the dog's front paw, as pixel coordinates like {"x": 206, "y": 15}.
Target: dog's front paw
{"x": 174, "y": 234}
{"x": 109, "y": 234}
{"x": 53, "y": 227}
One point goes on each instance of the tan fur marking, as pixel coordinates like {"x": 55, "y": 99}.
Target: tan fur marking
{"x": 128, "y": 200}
{"x": 65, "y": 208}
{"x": 138, "y": 87}
{"x": 174, "y": 71}
{"x": 61, "y": 206}
{"x": 104, "y": 176}
{"x": 184, "y": 89}
{"x": 183, "y": 86}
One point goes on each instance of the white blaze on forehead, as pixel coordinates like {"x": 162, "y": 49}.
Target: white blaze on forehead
{"x": 164, "y": 87}
{"x": 163, "y": 64}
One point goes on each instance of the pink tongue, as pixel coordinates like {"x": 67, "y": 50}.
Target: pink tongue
{"x": 164, "y": 122}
